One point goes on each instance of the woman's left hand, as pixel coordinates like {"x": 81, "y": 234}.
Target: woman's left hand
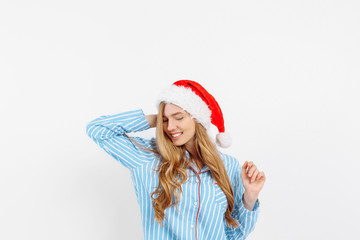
{"x": 253, "y": 180}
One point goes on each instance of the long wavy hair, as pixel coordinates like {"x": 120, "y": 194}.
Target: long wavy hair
{"x": 172, "y": 169}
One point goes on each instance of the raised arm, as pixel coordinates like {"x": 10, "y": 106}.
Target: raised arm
{"x": 109, "y": 132}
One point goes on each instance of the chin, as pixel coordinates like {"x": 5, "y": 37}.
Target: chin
{"x": 178, "y": 144}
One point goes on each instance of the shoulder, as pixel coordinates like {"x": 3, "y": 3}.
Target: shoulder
{"x": 229, "y": 160}
{"x": 232, "y": 164}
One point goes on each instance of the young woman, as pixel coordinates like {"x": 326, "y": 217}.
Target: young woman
{"x": 186, "y": 188}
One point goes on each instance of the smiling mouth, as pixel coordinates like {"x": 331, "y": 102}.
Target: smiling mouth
{"x": 175, "y": 136}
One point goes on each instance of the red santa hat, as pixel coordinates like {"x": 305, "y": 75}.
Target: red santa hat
{"x": 201, "y": 105}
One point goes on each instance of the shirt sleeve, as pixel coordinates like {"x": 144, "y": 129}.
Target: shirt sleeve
{"x": 109, "y": 132}
{"x": 246, "y": 218}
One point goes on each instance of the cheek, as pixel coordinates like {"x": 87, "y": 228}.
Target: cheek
{"x": 193, "y": 131}
{"x": 191, "y": 128}
{"x": 165, "y": 130}
{"x": 192, "y": 125}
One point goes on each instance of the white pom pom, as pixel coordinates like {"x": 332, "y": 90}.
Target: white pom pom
{"x": 223, "y": 140}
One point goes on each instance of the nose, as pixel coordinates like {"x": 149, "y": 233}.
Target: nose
{"x": 171, "y": 125}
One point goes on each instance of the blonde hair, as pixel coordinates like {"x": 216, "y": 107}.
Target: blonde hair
{"x": 172, "y": 169}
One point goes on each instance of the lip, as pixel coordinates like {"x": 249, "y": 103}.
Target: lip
{"x": 171, "y": 135}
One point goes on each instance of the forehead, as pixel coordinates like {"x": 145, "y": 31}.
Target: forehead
{"x": 172, "y": 109}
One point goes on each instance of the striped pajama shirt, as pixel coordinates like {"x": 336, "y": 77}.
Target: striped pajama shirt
{"x": 200, "y": 212}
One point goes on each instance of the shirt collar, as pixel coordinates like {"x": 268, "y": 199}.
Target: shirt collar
{"x": 193, "y": 166}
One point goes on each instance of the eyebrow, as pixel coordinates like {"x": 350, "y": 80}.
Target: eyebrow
{"x": 174, "y": 114}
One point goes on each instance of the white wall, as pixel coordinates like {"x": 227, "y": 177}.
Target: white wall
{"x": 286, "y": 74}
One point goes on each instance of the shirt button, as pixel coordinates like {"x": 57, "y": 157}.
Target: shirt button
{"x": 197, "y": 180}
{"x": 195, "y": 203}
{"x": 192, "y": 226}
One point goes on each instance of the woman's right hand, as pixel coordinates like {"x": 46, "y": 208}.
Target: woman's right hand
{"x": 151, "y": 120}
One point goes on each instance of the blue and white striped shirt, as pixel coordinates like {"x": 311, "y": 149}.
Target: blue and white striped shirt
{"x": 200, "y": 211}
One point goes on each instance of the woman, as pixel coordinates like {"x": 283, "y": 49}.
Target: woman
{"x": 186, "y": 188}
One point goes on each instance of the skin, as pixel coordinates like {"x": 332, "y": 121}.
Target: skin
{"x": 176, "y": 121}
{"x": 253, "y": 181}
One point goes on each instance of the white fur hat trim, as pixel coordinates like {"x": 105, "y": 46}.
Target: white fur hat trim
{"x": 189, "y": 101}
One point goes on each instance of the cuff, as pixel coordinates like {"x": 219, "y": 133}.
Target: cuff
{"x": 243, "y": 208}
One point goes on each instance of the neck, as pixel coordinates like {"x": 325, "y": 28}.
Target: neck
{"x": 190, "y": 147}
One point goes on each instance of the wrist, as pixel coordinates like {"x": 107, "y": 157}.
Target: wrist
{"x": 249, "y": 200}
{"x": 250, "y": 197}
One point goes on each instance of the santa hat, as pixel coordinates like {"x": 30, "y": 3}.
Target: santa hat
{"x": 200, "y": 104}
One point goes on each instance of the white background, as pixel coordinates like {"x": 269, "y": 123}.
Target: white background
{"x": 286, "y": 74}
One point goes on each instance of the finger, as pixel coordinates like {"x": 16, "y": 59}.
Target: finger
{"x": 243, "y": 171}
{"x": 250, "y": 164}
{"x": 259, "y": 176}
{"x": 244, "y": 166}
{"x": 255, "y": 174}
{"x": 251, "y": 170}
{"x": 262, "y": 176}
